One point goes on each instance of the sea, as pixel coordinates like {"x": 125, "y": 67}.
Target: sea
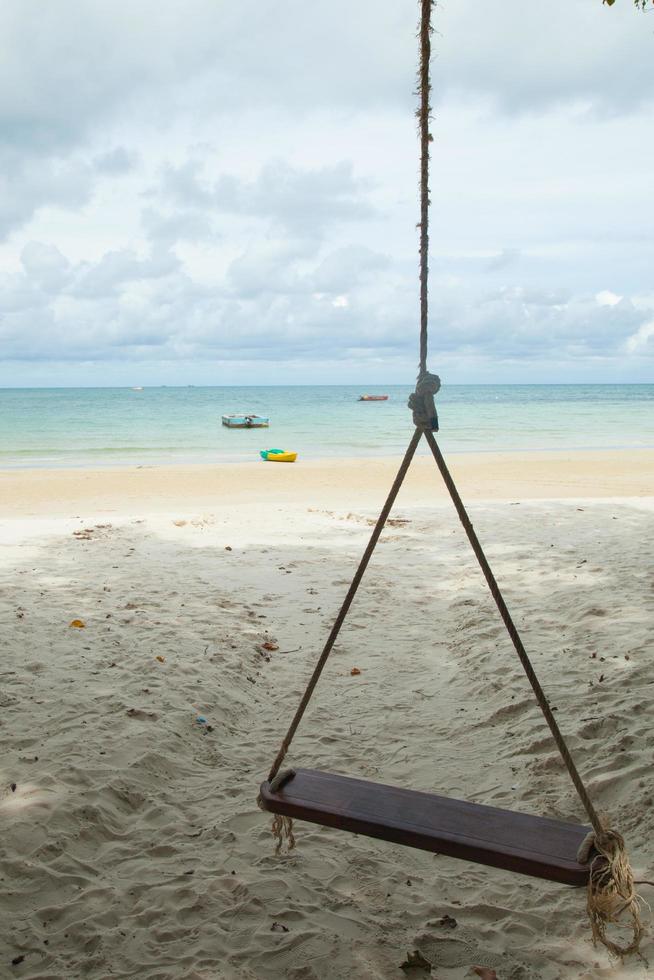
{"x": 96, "y": 427}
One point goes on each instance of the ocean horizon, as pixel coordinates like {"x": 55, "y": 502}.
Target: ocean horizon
{"x": 96, "y": 427}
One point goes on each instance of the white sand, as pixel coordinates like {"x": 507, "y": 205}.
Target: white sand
{"x": 132, "y": 845}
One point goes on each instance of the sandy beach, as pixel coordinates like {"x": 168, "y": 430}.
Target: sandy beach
{"x": 328, "y": 483}
{"x": 132, "y": 845}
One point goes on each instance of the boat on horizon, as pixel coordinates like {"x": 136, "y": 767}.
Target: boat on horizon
{"x": 373, "y": 398}
{"x": 246, "y": 421}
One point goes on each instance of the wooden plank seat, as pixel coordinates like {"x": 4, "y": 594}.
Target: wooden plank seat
{"x": 536, "y": 846}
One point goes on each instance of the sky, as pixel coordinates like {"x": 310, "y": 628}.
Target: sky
{"x": 227, "y": 193}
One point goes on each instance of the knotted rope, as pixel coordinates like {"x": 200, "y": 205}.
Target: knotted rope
{"x": 281, "y": 826}
{"x": 422, "y": 403}
{"x": 611, "y": 889}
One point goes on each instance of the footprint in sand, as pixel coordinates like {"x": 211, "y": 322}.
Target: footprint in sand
{"x": 141, "y": 714}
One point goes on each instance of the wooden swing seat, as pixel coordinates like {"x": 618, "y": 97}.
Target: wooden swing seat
{"x": 536, "y": 846}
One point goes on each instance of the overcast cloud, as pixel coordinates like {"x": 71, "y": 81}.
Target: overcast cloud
{"x": 227, "y": 193}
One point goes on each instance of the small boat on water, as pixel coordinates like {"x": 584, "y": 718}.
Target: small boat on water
{"x": 278, "y": 456}
{"x": 245, "y": 422}
{"x": 137, "y": 389}
{"x": 373, "y": 398}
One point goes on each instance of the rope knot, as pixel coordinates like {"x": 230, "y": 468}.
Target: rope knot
{"x": 611, "y": 890}
{"x": 422, "y": 404}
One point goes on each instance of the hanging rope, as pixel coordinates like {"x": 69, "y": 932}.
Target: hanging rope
{"x": 611, "y": 887}
{"x": 347, "y": 602}
{"x": 282, "y": 827}
{"x": 515, "y": 636}
{"x": 422, "y": 400}
{"x": 424, "y": 116}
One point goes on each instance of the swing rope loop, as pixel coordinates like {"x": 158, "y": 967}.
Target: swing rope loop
{"x": 611, "y": 887}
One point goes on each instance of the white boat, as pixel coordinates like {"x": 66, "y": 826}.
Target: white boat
{"x": 245, "y": 421}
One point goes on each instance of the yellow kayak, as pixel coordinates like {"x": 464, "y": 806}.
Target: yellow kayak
{"x": 278, "y": 456}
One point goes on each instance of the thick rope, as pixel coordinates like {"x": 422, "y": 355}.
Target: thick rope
{"x": 282, "y": 830}
{"x": 515, "y": 636}
{"x": 424, "y": 115}
{"x": 347, "y": 602}
{"x": 612, "y": 894}
{"x": 611, "y": 890}
{"x": 421, "y": 401}
{"x": 282, "y": 826}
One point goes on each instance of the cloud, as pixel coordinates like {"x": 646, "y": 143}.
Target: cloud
{"x": 68, "y": 71}
{"x": 642, "y": 341}
{"x": 45, "y": 266}
{"x": 302, "y": 202}
{"x": 267, "y": 267}
{"x": 520, "y": 324}
{"x": 606, "y": 298}
{"x": 505, "y": 258}
{"x": 178, "y": 225}
{"x": 348, "y": 267}
{"x": 270, "y": 266}
{"x": 118, "y": 268}
{"x": 221, "y": 181}
{"x": 526, "y": 57}
{"x": 184, "y": 185}
{"x": 115, "y": 162}
{"x": 339, "y": 305}
{"x": 28, "y": 183}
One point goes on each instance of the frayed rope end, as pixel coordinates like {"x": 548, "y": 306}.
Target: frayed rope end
{"x": 612, "y": 896}
{"x": 282, "y": 830}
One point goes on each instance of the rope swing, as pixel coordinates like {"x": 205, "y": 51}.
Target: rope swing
{"x": 612, "y": 896}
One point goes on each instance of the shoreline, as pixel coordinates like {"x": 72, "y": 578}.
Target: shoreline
{"x": 252, "y": 458}
{"x": 326, "y": 482}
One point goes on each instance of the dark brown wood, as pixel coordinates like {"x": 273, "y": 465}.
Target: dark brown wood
{"x": 536, "y": 846}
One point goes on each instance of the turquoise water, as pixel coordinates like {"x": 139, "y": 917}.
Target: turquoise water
{"x": 43, "y": 427}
